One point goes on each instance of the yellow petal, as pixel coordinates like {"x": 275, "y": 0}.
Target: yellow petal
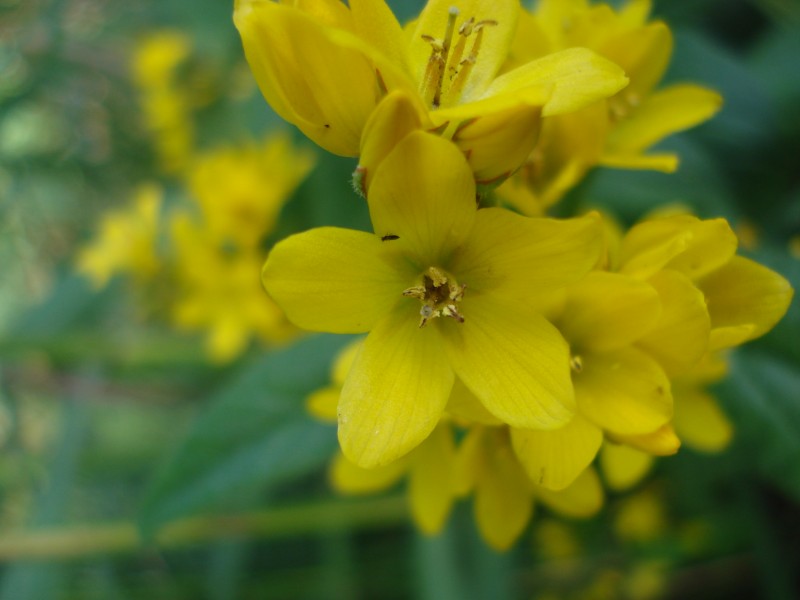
{"x": 605, "y": 311}
{"x": 375, "y": 22}
{"x": 624, "y": 391}
{"x": 682, "y": 243}
{"x": 424, "y": 194}
{"x": 521, "y": 257}
{"x": 643, "y": 54}
{"x": 663, "y": 113}
{"x": 227, "y": 339}
{"x": 430, "y": 481}
{"x": 334, "y": 280}
{"x": 348, "y": 478}
{"x": 680, "y": 338}
{"x": 623, "y": 466}
{"x": 503, "y": 499}
{"x": 554, "y": 459}
{"x": 663, "y": 162}
{"x": 396, "y": 390}
{"x": 314, "y": 76}
{"x": 322, "y": 403}
{"x": 344, "y": 360}
{"x": 699, "y": 421}
{"x": 494, "y": 46}
{"x": 744, "y": 292}
{"x": 584, "y": 498}
{"x": 578, "y": 78}
{"x": 497, "y": 144}
{"x": 515, "y": 362}
{"x": 465, "y": 407}
{"x": 397, "y": 115}
{"x": 470, "y": 462}
{"x": 662, "y": 442}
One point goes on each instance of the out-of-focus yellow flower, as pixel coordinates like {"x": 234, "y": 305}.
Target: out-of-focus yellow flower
{"x": 325, "y": 66}
{"x": 218, "y": 290}
{"x": 444, "y": 289}
{"x": 166, "y": 105}
{"x": 241, "y": 189}
{"x": 616, "y": 132}
{"x": 504, "y": 495}
{"x": 126, "y": 242}
{"x": 640, "y": 517}
{"x": 699, "y": 421}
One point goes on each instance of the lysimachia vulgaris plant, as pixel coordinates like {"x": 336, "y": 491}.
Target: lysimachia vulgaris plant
{"x": 502, "y": 354}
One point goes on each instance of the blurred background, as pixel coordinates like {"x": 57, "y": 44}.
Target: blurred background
{"x": 153, "y": 447}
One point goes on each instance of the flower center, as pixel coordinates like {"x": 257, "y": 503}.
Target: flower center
{"x": 439, "y": 294}
{"x": 448, "y": 68}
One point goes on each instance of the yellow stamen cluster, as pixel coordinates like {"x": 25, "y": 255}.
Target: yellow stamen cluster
{"x": 439, "y": 294}
{"x": 447, "y": 73}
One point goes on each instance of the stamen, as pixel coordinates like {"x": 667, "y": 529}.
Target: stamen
{"x": 576, "y": 363}
{"x": 439, "y": 295}
{"x": 466, "y": 65}
{"x": 437, "y": 62}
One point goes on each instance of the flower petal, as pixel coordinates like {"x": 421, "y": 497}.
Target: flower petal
{"x": 681, "y": 337}
{"x": 396, "y": 390}
{"x": 681, "y": 242}
{"x": 699, "y": 421}
{"x": 424, "y": 193}
{"x": 663, "y": 113}
{"x": 334, "y": 280}
{"x": 503, "y": 498}
{"x": 623, "y": 466}
{"x": 743, "y": 293}
{"x": 662, "y": 442}
{"x": 314, "y": 76}
{"x": 497, "y": 144}
{"x": 624, "y": 392}
{"x": 582, "y": 499}
{"x": 578, "y": 78}
{"x": 518, "y": 257}
{"x": 375, "y": 22}
{"x": 348, "y": 478}
{"x": 397, "y": 115}
{"x": 323, "y": 403}
{"x": 664, "y": 162}
{"x": 465, "y": 407}
{"x": 643, "y": 53}
{"x": 430, "y": 490}
{"x": 514, "y": 361}
{"x": 554, "y": 459}
{"x": 605, "y": 311}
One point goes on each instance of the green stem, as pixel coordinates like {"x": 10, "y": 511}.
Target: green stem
{"x": 77, "y": 542}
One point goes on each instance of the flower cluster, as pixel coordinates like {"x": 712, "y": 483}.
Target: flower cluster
{"x": 209, "y": 247}
{"x": 502, "y": 351}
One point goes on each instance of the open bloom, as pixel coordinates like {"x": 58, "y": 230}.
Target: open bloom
{"x": 324, "y": 66}
{"x": 619, "y": 131}
{"x": 443, "y": 289}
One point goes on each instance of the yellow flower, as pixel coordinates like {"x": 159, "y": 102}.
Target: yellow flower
{"x": 166, "y": 106}
{"x": 505, "y": 496}
{"x": 126, "y": 242}
{"x": 324, "y": 67}
{"x": 617, "y": 132}
{"x": 241, "y": 189}
{"x": 430, "y": 467}
{"x": 443, "y": 289}
{"x": 218, "y": 291}
{"x": 619, "y": 389}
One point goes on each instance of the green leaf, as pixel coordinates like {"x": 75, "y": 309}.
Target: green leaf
{"x": 760, "y": 395}
{"x": 253, "y": 436}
